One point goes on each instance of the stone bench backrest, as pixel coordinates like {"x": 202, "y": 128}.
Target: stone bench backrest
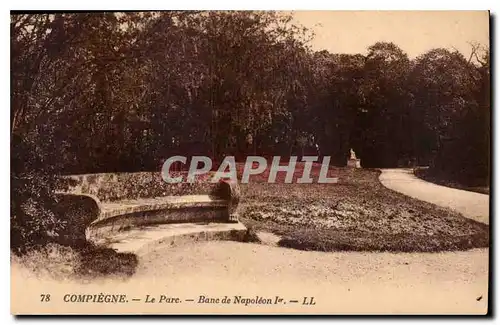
{"x": 120, "y": 186}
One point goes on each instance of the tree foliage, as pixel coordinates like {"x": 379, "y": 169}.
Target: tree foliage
{"x": 104, "y": 92}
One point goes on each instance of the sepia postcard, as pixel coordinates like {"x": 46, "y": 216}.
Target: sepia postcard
{"x": 250, "y": 162}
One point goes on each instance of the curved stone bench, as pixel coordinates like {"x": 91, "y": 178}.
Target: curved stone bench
{"x": 127, "y": 224}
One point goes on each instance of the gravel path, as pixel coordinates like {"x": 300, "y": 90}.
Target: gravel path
{"x": 470, "y": 204}
{"x": 341, "y": 282}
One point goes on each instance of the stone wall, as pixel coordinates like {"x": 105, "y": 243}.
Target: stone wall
{"x": 119, "y": 186}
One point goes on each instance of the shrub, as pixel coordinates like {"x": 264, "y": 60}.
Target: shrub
{"x": 34, "y": 220}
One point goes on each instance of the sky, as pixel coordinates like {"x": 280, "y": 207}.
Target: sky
{"x": 415, "y": 32}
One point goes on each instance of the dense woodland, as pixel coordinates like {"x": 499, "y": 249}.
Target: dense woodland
{"x": 105, "y": 92}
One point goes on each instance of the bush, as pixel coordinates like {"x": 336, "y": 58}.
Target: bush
{"x": 34, "y": 218}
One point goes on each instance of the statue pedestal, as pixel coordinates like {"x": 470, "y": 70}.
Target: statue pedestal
{"x": 354, "y": 163}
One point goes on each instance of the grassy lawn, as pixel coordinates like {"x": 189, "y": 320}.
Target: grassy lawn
{"x": 358, "y": 213}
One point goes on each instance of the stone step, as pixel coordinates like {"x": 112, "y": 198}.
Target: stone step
{"x": 142, "y": 240}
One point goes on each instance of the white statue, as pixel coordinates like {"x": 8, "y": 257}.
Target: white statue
{"x": 353, "y": 155}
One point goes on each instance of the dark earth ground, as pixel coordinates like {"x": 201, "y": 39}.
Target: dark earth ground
{"x": 431, "y": 176}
